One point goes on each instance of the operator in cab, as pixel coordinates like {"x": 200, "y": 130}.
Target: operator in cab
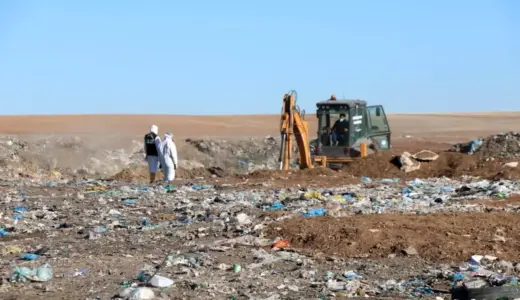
{"x": 151, "y": 141}
{"x": 340, "y": 130}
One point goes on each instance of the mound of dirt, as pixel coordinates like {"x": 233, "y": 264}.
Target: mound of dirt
{"x": 449, "y": 164}
{"x": 238, "y": 155}
{"x": 267, "y": 174}
{"x": 133, "y": 173}
{"x": 436, "y": 237}
{"x": 319, "y": 171}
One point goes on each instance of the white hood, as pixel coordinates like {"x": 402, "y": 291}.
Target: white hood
{"x": 154, "y": 129}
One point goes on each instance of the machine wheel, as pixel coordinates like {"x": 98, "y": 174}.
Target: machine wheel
{"x": 335, "y": 166}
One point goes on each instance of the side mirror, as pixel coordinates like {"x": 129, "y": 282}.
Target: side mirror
{"x": 378, "y": 111}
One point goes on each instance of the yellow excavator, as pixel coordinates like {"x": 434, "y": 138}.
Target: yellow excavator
{"x": 366, "y": 131}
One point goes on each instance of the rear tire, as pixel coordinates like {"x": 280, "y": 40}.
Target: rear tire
{"x": 335, "y": 166}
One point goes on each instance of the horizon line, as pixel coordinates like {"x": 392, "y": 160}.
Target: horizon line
{"x": 238, "y": 115}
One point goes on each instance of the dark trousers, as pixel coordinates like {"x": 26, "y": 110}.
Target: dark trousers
{"x": 342, "y": 139}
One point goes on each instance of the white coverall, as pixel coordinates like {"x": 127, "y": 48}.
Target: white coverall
{"x": 169, "y": 157}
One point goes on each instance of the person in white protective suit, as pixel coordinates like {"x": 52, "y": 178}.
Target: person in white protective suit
{"x": 168, "y": 157}
{"x": 151, "y": 151}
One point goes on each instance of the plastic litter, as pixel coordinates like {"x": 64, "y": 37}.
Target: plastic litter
{"x": 23, "y": 274}
{"x": 139, "y": 293}
{"x": 30, "y": 256}
{"x": 315, "y": 212}
{"x": 160, "y": 281}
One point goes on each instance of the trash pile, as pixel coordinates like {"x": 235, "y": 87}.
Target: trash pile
{"x": 89, "y": 239}
{"x": 500, "y": 145}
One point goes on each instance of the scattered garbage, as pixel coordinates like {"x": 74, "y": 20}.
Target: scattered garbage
{"x": 139, "y": 293}
{"x": 226, "y": 240}
{"x": 160, "y": 281}
{"x": 23, "y": 274}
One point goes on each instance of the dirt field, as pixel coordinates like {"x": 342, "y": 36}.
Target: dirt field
{"x": 447, "y": 238}
{"x": 62, "y": 215}
{"x": 431, "y": 127}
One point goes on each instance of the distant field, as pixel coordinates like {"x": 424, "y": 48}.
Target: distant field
{"x": 434, "y": 127}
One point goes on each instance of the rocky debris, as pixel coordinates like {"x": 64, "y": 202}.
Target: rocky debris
{"x": 410, "y": 251}
{"x": 411, "y": 162}
{"x": 407, "y": 164}
{"x": 425, "y": 155}
{"x": 505, "y": 145}
{"x": 512, "y": 164}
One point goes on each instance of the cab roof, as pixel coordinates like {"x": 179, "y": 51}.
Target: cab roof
{"x": 350, "y": 103}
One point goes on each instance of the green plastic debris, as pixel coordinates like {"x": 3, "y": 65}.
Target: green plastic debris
{"x": 23, "y": 274}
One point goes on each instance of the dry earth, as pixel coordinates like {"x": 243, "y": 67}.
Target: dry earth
{"x": 431, "y": 127}
{"x": 442, "y": 237}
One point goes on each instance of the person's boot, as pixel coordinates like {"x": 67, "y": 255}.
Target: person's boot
{"x": 152, "y": 177}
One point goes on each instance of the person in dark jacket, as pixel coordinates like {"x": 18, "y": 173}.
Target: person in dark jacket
{"x": 151, "y": 140}
{"x": 340, "y": 130}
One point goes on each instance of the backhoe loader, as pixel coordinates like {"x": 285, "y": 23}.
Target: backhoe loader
{"x": 366, "y": 131}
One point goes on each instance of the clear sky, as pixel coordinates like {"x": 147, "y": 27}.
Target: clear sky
{"x": 233, "y": 57}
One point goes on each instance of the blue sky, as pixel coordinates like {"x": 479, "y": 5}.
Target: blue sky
{"x": 233, "y": 57}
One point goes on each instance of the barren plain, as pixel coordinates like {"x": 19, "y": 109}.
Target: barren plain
{"x": 74, "y": 192}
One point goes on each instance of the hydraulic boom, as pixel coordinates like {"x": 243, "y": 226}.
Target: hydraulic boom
{"x": 293, "y": 125}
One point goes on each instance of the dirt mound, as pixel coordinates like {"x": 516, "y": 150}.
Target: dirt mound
{"x": 449, "y": 164}
{"x": 238, "y": 155}
{"x": 436, "y": 237}
{"x": 319, "y": 171}
{"x": 267, "y": 174}
{"x": 132, "y": 173}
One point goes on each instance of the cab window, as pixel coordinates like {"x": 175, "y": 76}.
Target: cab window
{"x": 326, "y": 121}
{"x": 377, "y": 118}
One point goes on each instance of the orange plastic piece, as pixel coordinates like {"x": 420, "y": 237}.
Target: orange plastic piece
{"x": 281, "y": 244}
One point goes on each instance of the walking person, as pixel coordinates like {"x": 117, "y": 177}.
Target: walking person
{"x": 151, "y": 141}
{"x": 168, "y": 157}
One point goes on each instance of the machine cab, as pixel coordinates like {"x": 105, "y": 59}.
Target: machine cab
{"x": 343, "y": 124}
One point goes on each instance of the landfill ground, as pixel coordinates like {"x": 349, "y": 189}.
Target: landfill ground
{"x": 74, "y": 191}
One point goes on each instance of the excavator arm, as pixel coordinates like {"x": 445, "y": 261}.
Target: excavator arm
{"x": 293, "y": 125}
